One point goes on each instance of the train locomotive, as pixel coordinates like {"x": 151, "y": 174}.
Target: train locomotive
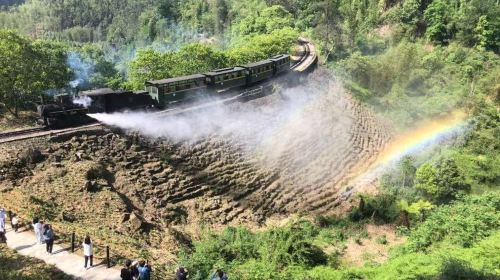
{"x": 160, "y": 94}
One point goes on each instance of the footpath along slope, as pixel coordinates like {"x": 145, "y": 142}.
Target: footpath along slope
{"x": 24, "y": 242}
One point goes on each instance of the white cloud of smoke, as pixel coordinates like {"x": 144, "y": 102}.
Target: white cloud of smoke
{"x": 313, "y": 133}
{"x": 82, "y": 69}
{"x": 84, "y": 101}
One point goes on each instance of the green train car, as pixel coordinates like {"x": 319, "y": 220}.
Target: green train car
{"x": 169, "y": 91}
{"x": 226, "y": 78}
{"x": 259, "y": 71}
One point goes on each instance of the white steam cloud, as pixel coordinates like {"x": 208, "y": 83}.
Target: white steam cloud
{"x": 82, "y": 69}
{"x": 312, "y": 136}
{"x": 84, "y": 101}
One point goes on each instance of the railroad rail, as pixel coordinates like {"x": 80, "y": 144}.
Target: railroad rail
{"x": 307, "y": 60}
{"x": 7, "y": 137}
{"x": 13, "y": 133}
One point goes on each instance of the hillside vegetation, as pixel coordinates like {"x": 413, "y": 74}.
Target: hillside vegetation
{"x": 408, "y": 60}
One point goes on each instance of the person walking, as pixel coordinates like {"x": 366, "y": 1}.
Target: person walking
{"x": 144, "y": 270}
{"x": 39, "y": 231}
{"x": 88, "y": 252}
{"x": 219, "y": 274}
{"x": 126, "y": 273}
{"x": 181, "y": 274}
{"x": 2, "y": 214}
{"x": 48, "y": 237}
{"x": 15, "y": 223}
{"x": 35, "y": 227}
{"x": 3, "y": 238}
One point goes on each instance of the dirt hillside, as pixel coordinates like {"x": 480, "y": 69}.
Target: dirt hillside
{"x": 158, "y": 193}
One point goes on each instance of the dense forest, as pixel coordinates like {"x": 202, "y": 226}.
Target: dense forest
{"x": 408, "y": 59}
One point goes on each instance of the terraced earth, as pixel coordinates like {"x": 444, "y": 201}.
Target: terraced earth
{"x": 289, "y": 152}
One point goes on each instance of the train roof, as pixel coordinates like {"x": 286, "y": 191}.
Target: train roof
{"x": 256, "y": 64}
{"x": 102, "y": 91}
{"x": 224, "y": 71}
{"x": 279, "y": 56}
{"x": 175, "y": 79}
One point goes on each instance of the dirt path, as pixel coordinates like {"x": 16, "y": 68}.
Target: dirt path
{"x": 24, "y": 242}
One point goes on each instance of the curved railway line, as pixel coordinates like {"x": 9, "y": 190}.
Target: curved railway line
{"x": 306, "y": 62}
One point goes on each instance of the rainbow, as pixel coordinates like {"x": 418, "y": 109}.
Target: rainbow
{"x": 415, "y": 140}
{"x": 423, "y": 135}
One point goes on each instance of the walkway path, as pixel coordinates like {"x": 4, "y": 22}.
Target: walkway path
{"x": 24, "y": 242}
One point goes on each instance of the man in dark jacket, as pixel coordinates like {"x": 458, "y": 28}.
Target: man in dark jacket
{"x": 48, "y": 237}
{"x": 181, "y": 274}
{"x": 126, "y": 273}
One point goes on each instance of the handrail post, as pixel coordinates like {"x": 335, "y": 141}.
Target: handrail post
{"x": 73, "y": 242}
{"x": 108, "y": 261}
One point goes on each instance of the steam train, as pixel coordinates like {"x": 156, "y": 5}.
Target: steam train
{"x": 64, "y": 110}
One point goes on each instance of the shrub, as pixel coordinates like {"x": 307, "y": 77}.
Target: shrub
{"x": 381, "y": 239}
{"x": 462, "y": 223}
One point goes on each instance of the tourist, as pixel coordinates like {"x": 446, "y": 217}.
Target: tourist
{"x": 15, "y": 223}
{"x": 219, "y": 274}
{"x": 39, "y": 231}
{"x": 144, "y": 270}
{"x": 35, "y": 221}
{"x": 48, "y": 237}
{"x": 133, "y": 270}
{"x": 181, "y": 274}
{"x": 88, "y": 252}
{"x": 3, "y": 238}
{"x": 126, "y": 273}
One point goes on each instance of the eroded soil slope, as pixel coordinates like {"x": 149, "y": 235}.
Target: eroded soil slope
{"x": 298, "y": 155}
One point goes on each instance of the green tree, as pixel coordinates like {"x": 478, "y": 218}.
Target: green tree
{"x": 149, "y": 65}
{"x": 441, "y": 183}
{"x": 415, "y": 209}
{"x": 27, "y": 68}
{"x": 270, "y": 19}
{"x": 436, "y": 16}
{"x": 426, "y": 180}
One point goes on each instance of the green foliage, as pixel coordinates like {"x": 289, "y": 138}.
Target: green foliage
{"x": 427, "y": 179}
{"x": 382, "y": 239}
{"x": 443, "y": 182}
{"x": 273, "y": 254}
{"x": 382, "y": 208}
{"x": 437, "y": 17}
{"x": 265, "y": 22}
{"x": 462, "y": 223}
{"x": 198, "y": 58}
{"x": 474, "y": 23}
{"x": 149, "y": 65}
{"x": 409, "y": 82}
{"x": 457, "y": 269}
{"x": 29, "y": 67}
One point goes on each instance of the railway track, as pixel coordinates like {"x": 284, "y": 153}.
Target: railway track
{"x": 13, "y": 133}
{"x": 306, "y": 62}
{"x": 12, "y": 136}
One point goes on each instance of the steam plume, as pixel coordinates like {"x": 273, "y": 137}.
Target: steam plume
{"x": 82, "y": 69}
{"x": 84, "y": 101}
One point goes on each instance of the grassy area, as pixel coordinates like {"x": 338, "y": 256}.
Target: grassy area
{"x": 16, "y": 267}
{"x": 8, "y": 122}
